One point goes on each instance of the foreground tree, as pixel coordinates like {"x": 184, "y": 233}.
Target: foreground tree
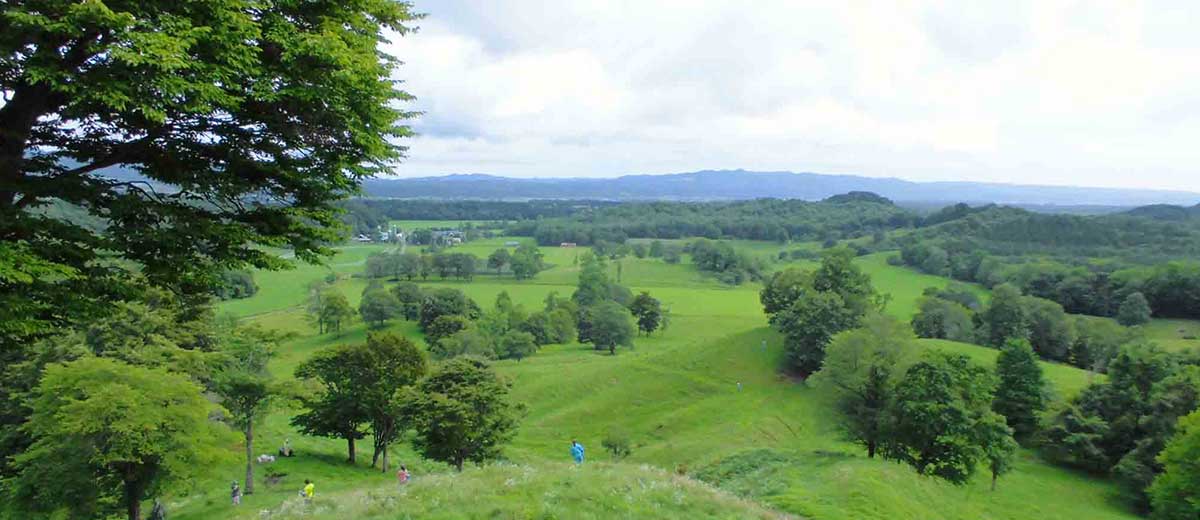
{"x": 862, "y": 367}
{"x": 1175, "y": 494}
{"x": 246, "y": 388}
{"x": 1020, "y": 394}
{"x": 243, "y": 124}
{"x": 333, "y": 402}
{"x": 391, "y": 364}
{"x": 107, "y": 433}
{"x": 461, "y": 413}
{"x": 941, "y": 422}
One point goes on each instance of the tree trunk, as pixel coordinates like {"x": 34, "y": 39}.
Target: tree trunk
{"x": 385, "y": 458}
{"x": 994, "y": 480}
{"x": 870, "y": 449}
{"x": 612, "y": 350}
{"x": 458, "y": 463}
{"x": 249, "y": 487}
{"x": 133, "y": 499}
{"x": 350, "y": 448}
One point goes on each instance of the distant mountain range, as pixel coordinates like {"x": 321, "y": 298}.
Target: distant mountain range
{"x": 741, "y": 184}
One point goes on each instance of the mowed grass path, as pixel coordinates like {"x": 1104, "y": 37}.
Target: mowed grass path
{"x": 675, "y": 396}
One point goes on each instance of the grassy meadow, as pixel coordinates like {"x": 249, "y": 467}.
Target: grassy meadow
{"x": 776, "y": 442}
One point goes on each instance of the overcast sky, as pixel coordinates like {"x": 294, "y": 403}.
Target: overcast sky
{"x": 1081, "y": 93}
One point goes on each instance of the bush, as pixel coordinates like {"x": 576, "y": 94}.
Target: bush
{"x": 617, "y": 444}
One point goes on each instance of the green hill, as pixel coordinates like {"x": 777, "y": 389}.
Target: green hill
{"x": 675, "y": 397}
{"x": 531, "y": 491}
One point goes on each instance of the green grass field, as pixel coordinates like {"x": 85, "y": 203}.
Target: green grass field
{"x": 675, "y": 395}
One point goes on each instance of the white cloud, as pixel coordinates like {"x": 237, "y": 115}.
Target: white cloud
{"x": 1083, "y": 93}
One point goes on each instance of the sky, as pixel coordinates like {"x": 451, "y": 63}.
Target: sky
{"x": 1088, "y": 93}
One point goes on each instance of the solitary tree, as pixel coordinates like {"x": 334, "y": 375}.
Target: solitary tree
{"x": 461, "y": 413}
{"x": 608, "y": 325}
{"x": 1020, "y": 395}
{"x": 1134, "y": 310}
{"x": 648, "y": 312}
{"x": 106, "y": 429}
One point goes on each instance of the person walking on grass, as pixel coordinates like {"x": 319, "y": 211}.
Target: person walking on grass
{"x": 576, "y": 452}
{"x": 402, "y": 475}
{"x": 308, "y": 492}
{"x": 235, "y": 494}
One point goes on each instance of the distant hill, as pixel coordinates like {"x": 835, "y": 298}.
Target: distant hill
{"x": 741, "y": 184}
{"x": 1167, "y": 212}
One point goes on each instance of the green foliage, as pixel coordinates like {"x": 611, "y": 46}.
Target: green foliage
{"x": 461, "y": 413}
{"x": 1134, "y": 310}
{"x": 647, "y": 310}
{"x": 445, "y": 326}
{"x": 389, "y": 363}
{"x": 942, "y": 423}
{"x": 593, "y": 285}
{"x": 498, "y": 259}
{"x": 943, "y": 319}
{"x": 617, "y": 444}
{"x": 810, "y": 308}
{"x": 330, "y": 310}
{"x": 862, "y": 367}
{"x": 1051, "y": 332}
{"x": 246, "y": 389}
{"x": 333, "y": 398}
{"x": 236, "y": 284}
{"x": 1005, "y": 316}
{"x": 1020, "y": 394}
{"x": 721, "y": 258}
{"x": 446, "y": 301}
{"x": 606, "y": 325}
{"x": 526, "y": 262}
{"x": 1175, "y": 494}
{"x": 409, "y": 296}
{"x": 107, "y": 433}
{"x": 517, "y": 345}
{"x": 377, "y": 306}
{"x": 247, "y": 124}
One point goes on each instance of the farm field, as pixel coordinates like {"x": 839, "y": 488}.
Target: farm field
{"x": 674, "y": 395}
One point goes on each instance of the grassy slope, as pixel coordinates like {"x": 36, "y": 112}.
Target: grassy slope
{"x": 675, "y": 396}
{"x": 549, "y": 490}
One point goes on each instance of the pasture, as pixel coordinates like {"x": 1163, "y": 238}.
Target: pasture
{"x": 675, "y": 395}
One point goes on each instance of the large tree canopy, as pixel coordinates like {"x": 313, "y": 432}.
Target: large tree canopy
{"x": 191, "y": 133}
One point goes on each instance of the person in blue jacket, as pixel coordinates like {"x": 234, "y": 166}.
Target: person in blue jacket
{"x": 576, "y": 451}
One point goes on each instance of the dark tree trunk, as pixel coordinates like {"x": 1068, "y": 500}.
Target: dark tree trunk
{"x": 350, "y": 448}
{"x": 249, "y": 488}
{"x": 133, "y": 499}
{"x": 994, "y": 475}
{"x": 870, "y": 449}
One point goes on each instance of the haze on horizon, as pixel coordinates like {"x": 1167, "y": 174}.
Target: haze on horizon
{"x": 1055, "y": 93}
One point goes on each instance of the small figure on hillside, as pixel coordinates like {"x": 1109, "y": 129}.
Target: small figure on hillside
{"x": 576, "y": 451}
{"x": 158, "y": 512}
{"x": 764, "y": 344}
{"x": 402, "y": 475}
{"x": 286, "y": 449}
{"x": 739, "y": 386}
{"x": 235, "y": 493}
{"x": 309, "y": 490}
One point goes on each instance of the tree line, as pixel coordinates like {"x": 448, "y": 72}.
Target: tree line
{"x": 524, "y": 263}
{"x": 1171, "y": 289}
